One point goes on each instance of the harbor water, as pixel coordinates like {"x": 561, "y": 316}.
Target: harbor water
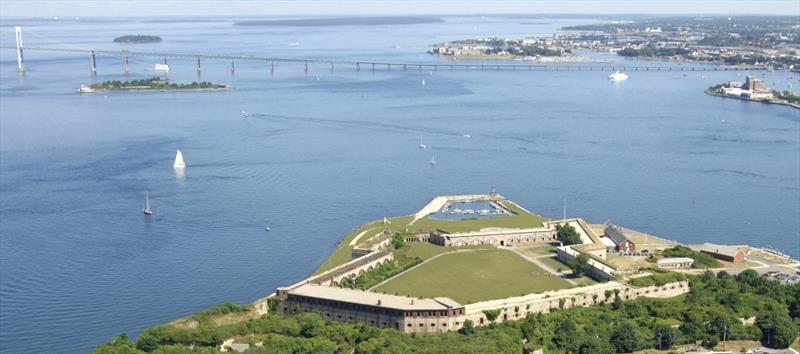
{"x": 320, "y": 153}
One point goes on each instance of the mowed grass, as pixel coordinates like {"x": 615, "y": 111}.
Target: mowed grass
{"x": 342, "y": 253}
{"x": 521, "y": 220}
{"x": 473, "y": 276}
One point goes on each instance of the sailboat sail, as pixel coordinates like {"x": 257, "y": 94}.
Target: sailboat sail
{"x": 147, "y": 210}
{"x": 179, "y": 160}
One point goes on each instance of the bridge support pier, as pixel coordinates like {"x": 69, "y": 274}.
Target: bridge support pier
{"x": 233, "y": 67}
{"x": 271, "y": 68}
{"x": 419, "y": 68}
{"x": 305, "y": 67}
{"x": 373, "y": 66}
{"x": 20, "y": 60}
{"x": 125, "y": 63}
{"x": 165, "y": 61}
{"x": 93, "y": 63}
{"x": 331, "y": 67}
{"x": 405, "y": 67}
{"x": 198, "y": 68}
{"x": 358, "y": 67}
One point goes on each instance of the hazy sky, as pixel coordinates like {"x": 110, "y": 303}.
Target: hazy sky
{"x": 71, "y": 8}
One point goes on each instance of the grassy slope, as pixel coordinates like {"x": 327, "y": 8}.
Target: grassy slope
{"x": 342, "y": 253}
{"x": 470, "y": 277}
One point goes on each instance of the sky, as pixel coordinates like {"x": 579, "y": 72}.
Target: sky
{"x": 122, "y": 8}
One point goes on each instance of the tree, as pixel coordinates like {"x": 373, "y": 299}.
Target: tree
{"x": 777, "y": 330}
{"x": 468, "y": 328}
{"x": 665, "y": 336}
{"x": 595, "y": 345}
{"x": 398, "y": 241}
{"x": 567, "y": 235}
{"x": 579, "y": 265}
{"x": 491, "y": 315}
{"x": 625, "y": 338}
{"x": 566, "y": 335}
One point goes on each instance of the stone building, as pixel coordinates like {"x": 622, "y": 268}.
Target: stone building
{"x": 675, "y": 263}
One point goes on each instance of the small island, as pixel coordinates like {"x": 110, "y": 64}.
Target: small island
{"x": 151, "y": 84}
{"x": 753, "y": 89}
{"x": 137, "y": 39}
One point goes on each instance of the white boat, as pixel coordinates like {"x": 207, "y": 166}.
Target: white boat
{"x": 179, "y": 160}
{"x": 164, "y": 68}
{"x": 468, "y": 136}
{"x": 423, "y": 82}
{"x": 421, "y": 145}
{"x": 85, "y": 89}
{"x": 618, "y": 76}
{"x": 267, "y": 228}
{"x": 245, "y": 113}
{"x": 147, "y": 210}
{"x": 433, "y": 160}
{"x": 294, "y": 44}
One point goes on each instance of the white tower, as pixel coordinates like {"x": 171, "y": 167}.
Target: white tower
{"x": 18, "y": 35}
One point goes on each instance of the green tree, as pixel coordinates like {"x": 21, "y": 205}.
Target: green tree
{"x": 579, "y": 265}
{"x": 665, "y": 336}
{"x": 625, "y": 338}
{"x": 567, "y": 336}
{"x": 595, "y": 345}
{"x": 491, "y": 315}
{"x": 398, "y": 242}
{"x": 567, "y": 235}
{"x": 468, "y": 328}
{"x": 777, "y": 330}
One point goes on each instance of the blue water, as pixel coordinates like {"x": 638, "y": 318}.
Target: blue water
{"x": 327, "y": 151}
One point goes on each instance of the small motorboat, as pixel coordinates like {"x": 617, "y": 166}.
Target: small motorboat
{"x": 618, "y": 76}
{"x": 267, "y": 228}
{"x": 245, "y": 113}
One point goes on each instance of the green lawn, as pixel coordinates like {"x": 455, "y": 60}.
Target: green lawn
{"x": 342, "y": 255}
{"x": 522, "y": 219}
{"x": 425, "y": 250}
{"x": 469, "y": 277}
{"x": 553, "y": 262}
{"x": 539, "y": 250}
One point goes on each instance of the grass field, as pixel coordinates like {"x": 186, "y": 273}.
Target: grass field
{"x": 474, "y": 276}
{"x": 553, "y": 262}
{"x": 539, "y": 250}
{"x": 342, "y": 253}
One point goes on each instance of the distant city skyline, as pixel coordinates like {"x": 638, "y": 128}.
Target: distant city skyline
{"x": 150, "y": 8}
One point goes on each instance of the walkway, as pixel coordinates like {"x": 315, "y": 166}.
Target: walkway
{"x": 535, "y": 261}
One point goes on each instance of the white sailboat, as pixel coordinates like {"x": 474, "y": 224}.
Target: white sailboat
{"x": 433, "y": 160}
{"x": 179, "y": 160}
{"x": 147, "y": 210}
{"x": 421, "y": 145}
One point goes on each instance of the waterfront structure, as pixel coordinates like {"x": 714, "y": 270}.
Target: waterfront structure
{"x": 753, "y": 88}
{"x": 621, "y": 242}
{"x": 497, "y": 237}
{"x": 675, "y": 263}
{"x": 323, "y": 292}
{"x": 726, "y": 253}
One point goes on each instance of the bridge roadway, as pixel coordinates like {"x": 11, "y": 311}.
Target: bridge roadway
{"x": 555, "y": 66}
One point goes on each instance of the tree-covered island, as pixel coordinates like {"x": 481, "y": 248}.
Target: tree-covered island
{"x": 138, "y": 38}
{"x": 151, "y": 84}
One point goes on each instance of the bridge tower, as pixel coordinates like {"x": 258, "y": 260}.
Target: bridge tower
{"x": 125, "y": 63}
{"x": 94, "y": 63}
{"x": 198, "y": 65}
{"x": 20, "y": 60}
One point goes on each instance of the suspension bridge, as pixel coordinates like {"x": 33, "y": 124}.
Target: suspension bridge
{"x": 358, "y": 65}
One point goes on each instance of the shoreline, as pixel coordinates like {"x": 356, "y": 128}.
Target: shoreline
{"x": 782, "y": 103}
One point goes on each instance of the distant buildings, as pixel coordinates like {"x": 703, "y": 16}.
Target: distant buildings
{"x": 675, "y": 263}
{"x": 723, "y": 252}
{"x": 752, "y": 88}
{"x": 621, "y": 242}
